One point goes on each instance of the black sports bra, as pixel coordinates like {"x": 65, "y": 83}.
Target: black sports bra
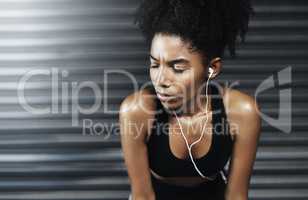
{"x": 163, "y": 162}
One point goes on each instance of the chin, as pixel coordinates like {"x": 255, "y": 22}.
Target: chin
{"x": 172, "y": 105}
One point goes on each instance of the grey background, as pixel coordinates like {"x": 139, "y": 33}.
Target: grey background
{"x": 45, "y": 157}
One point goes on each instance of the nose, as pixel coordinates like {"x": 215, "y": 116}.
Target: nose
{"x": 164, "y": 81}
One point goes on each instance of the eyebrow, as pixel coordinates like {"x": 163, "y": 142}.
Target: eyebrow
{"x": 172, "y": 62}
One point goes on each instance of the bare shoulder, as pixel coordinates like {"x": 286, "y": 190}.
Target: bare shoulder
{"x": 139, "y": 108}
{"x": 241, "y": 108}
{"x": 139, "y": 102}
{"x": 238, "y": 101}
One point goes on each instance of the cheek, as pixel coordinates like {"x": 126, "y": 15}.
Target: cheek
{"x": 185, "y": 86}
{"x": 153, "y": 74}
{"x": 192, "y": 84}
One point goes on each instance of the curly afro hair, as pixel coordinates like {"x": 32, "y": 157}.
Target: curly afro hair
{"x": 209, "y": 25}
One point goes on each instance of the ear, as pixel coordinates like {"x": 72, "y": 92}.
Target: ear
{"x": 216, "y": 66}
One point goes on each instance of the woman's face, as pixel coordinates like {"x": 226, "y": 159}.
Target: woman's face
{"x": 176, "y": 71}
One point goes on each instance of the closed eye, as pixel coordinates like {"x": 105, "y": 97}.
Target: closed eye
{"x": 154, "y": 66}
{"x": 179, "y": 69}
{"x": 175, "y": 68}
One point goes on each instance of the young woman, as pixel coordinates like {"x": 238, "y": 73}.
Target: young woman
{"x": 179, "y": 135}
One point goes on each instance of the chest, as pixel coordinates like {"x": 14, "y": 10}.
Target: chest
{"x": 169, "y": 156}
{"x": 196, "y": 134}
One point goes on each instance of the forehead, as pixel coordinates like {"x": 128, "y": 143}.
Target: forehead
{"x": 168, "y": 46}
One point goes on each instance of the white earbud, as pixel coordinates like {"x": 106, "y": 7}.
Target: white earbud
{"x": 211, "y": 72}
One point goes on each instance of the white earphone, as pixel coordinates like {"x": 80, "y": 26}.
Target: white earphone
{"x": 211, "y": 71}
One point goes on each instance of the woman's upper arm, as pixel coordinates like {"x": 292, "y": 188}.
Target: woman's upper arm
{"x": 135, "y": 119}
{"x": 247, "y": 125}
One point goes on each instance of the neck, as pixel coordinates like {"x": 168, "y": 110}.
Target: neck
{"x": 196, "y": 107}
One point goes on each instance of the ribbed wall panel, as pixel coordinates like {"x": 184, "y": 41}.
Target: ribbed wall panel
{"x": 45, "y": 157}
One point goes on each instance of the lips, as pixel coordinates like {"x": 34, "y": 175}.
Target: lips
{"x": 164, "y": 97}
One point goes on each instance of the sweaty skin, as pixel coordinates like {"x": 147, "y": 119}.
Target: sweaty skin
{"x": 177, "y": 71}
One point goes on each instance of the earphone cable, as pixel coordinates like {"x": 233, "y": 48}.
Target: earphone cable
{"x": 186, "y": 142}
